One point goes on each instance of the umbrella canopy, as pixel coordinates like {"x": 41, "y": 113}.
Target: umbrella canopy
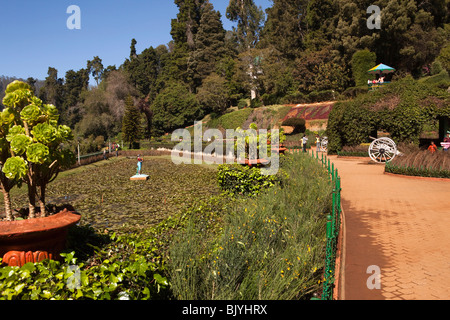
{"x": 381, "y": 68}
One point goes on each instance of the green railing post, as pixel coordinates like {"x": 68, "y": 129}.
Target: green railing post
{"x": 329, "y": 227}
{"x": 332, "y": 227}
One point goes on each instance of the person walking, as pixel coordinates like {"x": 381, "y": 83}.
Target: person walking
{"x": 317, "y": 143}
{"x": 304, "y": 142}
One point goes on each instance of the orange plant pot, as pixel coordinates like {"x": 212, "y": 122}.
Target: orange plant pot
{"x": 34, "y": 240}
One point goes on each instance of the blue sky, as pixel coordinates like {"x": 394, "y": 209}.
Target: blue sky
{"x": 35, "y": 34}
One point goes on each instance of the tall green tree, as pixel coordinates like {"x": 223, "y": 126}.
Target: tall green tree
{"x": 52, "y": 91}
{"x": 131, "y": 123}
{"x": 409, "y": 37}
{"x": 95, "y": 67}
{"x": 185, "y": 26}
{"x": 213, "y": 94}
{"x": 285, "y": 28}
{"x": 249, "y": 19}
{"x": 183, "y": 31}
{"x": 133, "y": 49}
{"x": 320, "y": 19}
{"x": 174, "y": 107}
{"x": 76, "y": 82}
{"x": 209, "y": 45}
{"x": 143, "y": 70}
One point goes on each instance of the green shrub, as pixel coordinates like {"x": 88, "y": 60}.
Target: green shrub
{"x": 294, "y": 97}
{"x": 418, "y": 172}
{"x": 245, "y": 180}
{"x": 256, "y": 103}
{"x": 444, "y": 57}
{"x": 299, "y": 124}
{"x": 436, "y": 67}
{"x": 353, "y": 92}
{"x": 349, "y": 125}
{"x": 270, "y": 99}
{"x": 242, "y": 103}
{"x": 362, "y": 61}
{"x": 123, "y": 270}
{"x": 318, "y": 96}
{"x": 421, "y": 163}
{"x": 230, "y": 120}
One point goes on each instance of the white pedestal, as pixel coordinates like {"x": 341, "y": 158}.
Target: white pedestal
{"x": 141, "y": 177}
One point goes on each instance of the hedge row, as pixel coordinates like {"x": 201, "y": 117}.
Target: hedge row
{"x": 400, "y": 108}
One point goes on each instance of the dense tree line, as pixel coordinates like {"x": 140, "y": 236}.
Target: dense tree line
{"x": 294, "y": 48}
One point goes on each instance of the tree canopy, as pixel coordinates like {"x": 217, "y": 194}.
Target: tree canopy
{"x": 293, "y": 49}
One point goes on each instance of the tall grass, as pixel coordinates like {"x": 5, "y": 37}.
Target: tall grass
{"x": 270, "y": 247}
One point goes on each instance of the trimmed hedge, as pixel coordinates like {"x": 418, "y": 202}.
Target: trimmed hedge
{"x": 299, "y": 124}
{"x": 417, "y": 172}
{"x": 400, "y": 108}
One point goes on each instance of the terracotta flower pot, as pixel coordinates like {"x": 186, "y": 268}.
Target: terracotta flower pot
{"x": 34, "y": 240}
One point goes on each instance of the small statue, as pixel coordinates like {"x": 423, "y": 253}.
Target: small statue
{"x": 139, "y": 164}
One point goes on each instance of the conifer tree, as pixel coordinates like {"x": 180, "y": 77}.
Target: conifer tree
{"x": 209, "y": 45}
{"x": 131, "y": 123}
{"x": 52, "y": 91}
{"x": 183, "y": 31}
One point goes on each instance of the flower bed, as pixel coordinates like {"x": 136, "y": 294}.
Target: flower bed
{"x": 422, "y": 164}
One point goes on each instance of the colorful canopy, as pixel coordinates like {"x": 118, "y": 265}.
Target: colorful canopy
{"x": 381, "y": 68}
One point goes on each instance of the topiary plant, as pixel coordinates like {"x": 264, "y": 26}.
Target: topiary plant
{"x": 31, "y": 141}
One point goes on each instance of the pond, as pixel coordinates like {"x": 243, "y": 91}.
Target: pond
{"x": 106, "y": 197}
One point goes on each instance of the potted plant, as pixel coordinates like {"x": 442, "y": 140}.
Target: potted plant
{"x": 32, "y": 153}
{"x": 259, "y": 139}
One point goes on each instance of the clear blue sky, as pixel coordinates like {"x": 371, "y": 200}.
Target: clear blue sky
{"x": 34, "y": 33}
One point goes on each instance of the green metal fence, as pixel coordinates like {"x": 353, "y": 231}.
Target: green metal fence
{"x": 333, "y": 225}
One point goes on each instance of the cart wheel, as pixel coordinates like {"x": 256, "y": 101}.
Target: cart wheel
{"x": 383, "y": 150}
